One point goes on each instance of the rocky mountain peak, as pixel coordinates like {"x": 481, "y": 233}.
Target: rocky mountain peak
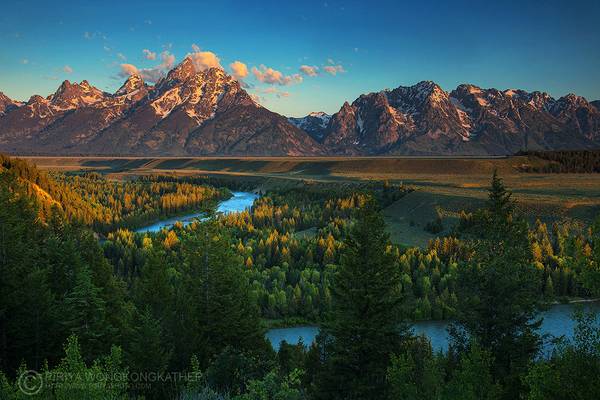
{"x": 4, "y": 99}
{"x": 427, "y": 87}
{"x": 6, "y": 103}
{"x": 133, "y": 83}
{"x": 183, "y": 71}
{"x": 407, "y": 99}
{"x": 72, "y": 95}
{"x": 36, "y": 99}
{"x": 573, "y": 100}
{"x": 346, "y": 108}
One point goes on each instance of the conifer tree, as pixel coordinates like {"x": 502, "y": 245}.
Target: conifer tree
{"x": 215, "y": 304}
{"x": 364, "y": 328}
{"x": 149, "y": 352}
{"x": 498, "y": 290}
{"x": 84, "y": 315}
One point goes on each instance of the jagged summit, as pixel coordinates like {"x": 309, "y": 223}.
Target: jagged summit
{"x": 133, "y": 83}
{"x": 72, "y": 95}
{"x": 184, "y": 70}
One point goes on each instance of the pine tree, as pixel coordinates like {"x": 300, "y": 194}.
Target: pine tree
{"x": 216, "y": 308}
{"x": 498, "y": 290}
{"x": 364, "y": 328}
{"x": 84, "y": 315}
{"x": 149, "y": 352}
{"x": 499, "y": 201}
{"x": 154, "y": 288}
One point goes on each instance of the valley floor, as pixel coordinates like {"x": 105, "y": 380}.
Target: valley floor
{"x": 443, "y": 185}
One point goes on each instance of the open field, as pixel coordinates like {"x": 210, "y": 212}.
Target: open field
{"x": 442, "y": 185}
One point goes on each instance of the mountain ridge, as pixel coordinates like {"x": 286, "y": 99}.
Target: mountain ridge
{"x": 208, "y": 112}
{"x": 423, "y": 119}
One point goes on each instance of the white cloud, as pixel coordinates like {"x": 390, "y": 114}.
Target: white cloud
{"x": 204, "y": 59}
{"x": 25, "y": 61}
{"x": 274, "y": 77}
{"x": 150, "y": 74}
{"x": 334, "y": 69}
{"x": 309, "y": 70}
{"x": 149, "y": 55}
{"x": 67, "y": 69}
{"x": 274, "y": 91}
{"x": 239, "y": 70}
{"x": 121, "y": 56}
{"x": 128, "y": 70}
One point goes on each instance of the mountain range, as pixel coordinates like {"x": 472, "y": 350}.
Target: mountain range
{"x": 190, "y": 112}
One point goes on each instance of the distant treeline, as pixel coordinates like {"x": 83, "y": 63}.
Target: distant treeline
{"x": 575, "y": 161}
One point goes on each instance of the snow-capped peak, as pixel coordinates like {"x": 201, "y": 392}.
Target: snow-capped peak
{"x": 316, "y": 117}
{"x": 183, "y": 71}
{"x": 134, "y": 82}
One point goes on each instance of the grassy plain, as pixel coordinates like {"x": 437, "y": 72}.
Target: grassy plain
{"x": 442, "y": 185}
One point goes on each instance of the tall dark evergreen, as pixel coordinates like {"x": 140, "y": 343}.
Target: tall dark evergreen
{"x": 364, "y": 328}
{"x": 85, "y": 315}
{"x": 500, "y": 204}
{"x": 216, "y": 308}
{"x": 148, "y": 352}
{"x": 499, "y": 290}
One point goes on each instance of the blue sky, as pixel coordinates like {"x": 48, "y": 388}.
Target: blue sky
{"x": 551, "y": 46}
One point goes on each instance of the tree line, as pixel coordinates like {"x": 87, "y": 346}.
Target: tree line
{"x": 574, "y": 161}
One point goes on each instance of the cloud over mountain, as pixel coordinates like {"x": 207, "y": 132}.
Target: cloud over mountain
{"x": 273, "y": 77}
